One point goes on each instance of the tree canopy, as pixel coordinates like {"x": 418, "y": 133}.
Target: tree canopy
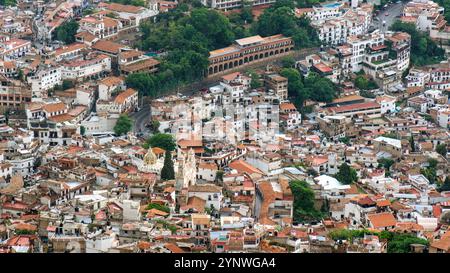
{"x": 445, "y": 186}
{"x": 8, "y": 3}
{"x": 158, "y": 207}
{"x": 361, "y": 82}
{"x": 123, "y": 125}
{"x": 66, "y": 32}
{"x": 161, "y": 140}
{"x": 312, "y": 87}
{"x": 346, "y": 175}
{"x": 442, "y": 149}
{"x": 396, "y": 242}
{"x": 187, "y": 39}
{"x": 167, "y": 172}
{"x": 304, "y": 209}
{"x": 281, "y": 19}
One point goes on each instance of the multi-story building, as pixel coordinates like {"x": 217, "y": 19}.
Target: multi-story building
{"x": 13, "y": 94}
{"x": 400, "y": 44}
{"x": 102, "y": 27}
{"x": 45, "y": 79}
{"x": 334, "y": 127}
{"x": 278, "y": 84}
{"x": 226, "y": 5}
{"x": 355, "y": 110}
{"x": 246, "y": 51}
{"x": 13, "y": 48}
{"x": 427, "y": 15}
{"x": 335, "y": 24}
{"x": 94, "y": 66}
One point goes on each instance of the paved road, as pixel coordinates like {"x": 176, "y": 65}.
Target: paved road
{"x": 141, "y": 118}
{"x": 143, "y": 115}
{"x": 392, "y": 12}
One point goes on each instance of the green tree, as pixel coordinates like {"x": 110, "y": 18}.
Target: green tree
{"x": 412, "y": 144}
{"x": 67, "y": 84}
{"x": 7, "y": 3}
{"x": 345, "y": 140}
{"x": 442, "y": 149}
{"x": 82, "y": 130}
{"x": 219, "y": 176}
{"x": 430, "y": 171}
{"x": 346, "y": 175}
{"x": 446, "y": 185}
{"x": 281, "y": 19}
{"x": 20, "y": 75}
{"x": 123, "y": 125}
{"x": 158, "y": 207}
{"x": 155, "y": 126}
{"x": 255, "y": 81}
{"x": 386, "y": 163}
{"x": 304, "y": 210}
{"x": 167, "y": 172}
{"x": 361, "y": 82}
{"x": 288, "y": 61}
{"x": 401, "y": 243}
{"x": 66, "y": 32}
{"x": 163, "y": 141}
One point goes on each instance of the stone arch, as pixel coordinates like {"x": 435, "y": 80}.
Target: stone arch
{"x": 211, "y": 70}
{"x": 220, "y": 68}
{"x": 266, "y": 54}
{"x": 250, "y": 59}
{"x": 271, "y": 53}
{"x": 230, "y": 65}
{"x": 240, "y": 62}
{"x": 256, "y": 57}
{"x": 215, "y": 69}
{"x": 276, "y": 52}
{"x": 225, "y": 66}
{"x": 246, "y": 60}
{"x": 235, "y": 63}
{"x": 261, "y": 56}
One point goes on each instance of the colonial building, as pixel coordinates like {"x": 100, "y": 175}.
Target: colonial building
{"x": 246, "y": 51}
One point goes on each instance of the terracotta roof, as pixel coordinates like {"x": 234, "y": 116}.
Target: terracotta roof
{"x": 287, "y": 106}
{"x": 356, "y": 106}
{"x": 124, "y": 95}
{"x": 54, "y": 107}
{"x": 121, "y": 8}
{"x": 61, "y": 118}
{"x": 173, "y": 248}
{"x": 107, "y": 46}
{"x": 110, "y": 81}
{"x": 382, "y": 220}
{"x": 204, "y": 188}
{"x": 196, "y": 203}
{"x": 69, "y": 48}
{"x": 140, "y": 65}
{"x": 210, "y": 166}
{"x": 242, "y": 166}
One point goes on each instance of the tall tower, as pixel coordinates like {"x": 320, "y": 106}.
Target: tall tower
{"x": 189, "y": 169}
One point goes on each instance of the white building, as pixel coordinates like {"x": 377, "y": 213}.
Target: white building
{"x": 44, "y": 80}
{"x": 387, "y": 103}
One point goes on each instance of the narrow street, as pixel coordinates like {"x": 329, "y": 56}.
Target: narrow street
{"x": 388, "y": 16}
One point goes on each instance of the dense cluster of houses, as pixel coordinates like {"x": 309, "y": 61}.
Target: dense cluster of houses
{"x": 68, "y": 183}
